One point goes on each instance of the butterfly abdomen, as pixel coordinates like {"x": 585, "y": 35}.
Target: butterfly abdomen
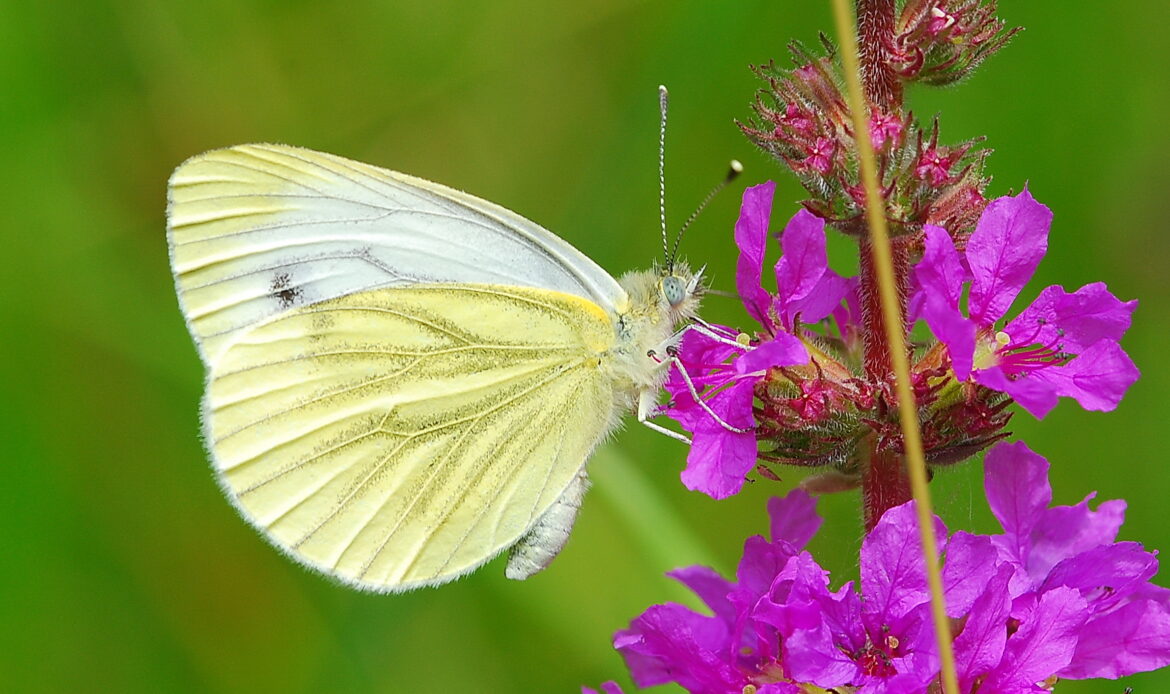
{"x": 536, "y": 550}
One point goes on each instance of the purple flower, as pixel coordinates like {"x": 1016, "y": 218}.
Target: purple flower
{"x": 1127, "y": 618}
{"x": 1063, "y": 344}
{"x": 725, "y": 366}
{"x": 879, "y": 638}
{"x": 726, "y": 651}
{"x": 884, "y": 128}
{"x": 935, "y": 166}
{"x": 821, "y": 155}
{"x": 1053, "y": 596}
{"x": 719, "y": 457}
{"x": 807, "y": 290}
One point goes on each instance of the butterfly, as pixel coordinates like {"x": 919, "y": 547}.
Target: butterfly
{"x": 404, "y": 380}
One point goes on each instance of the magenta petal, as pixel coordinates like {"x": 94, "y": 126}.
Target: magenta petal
{"x": 898, "y": 684}
{"x": 751, "y": 235}
{"x": 711, "y": 588}
{"x": 718, "y": 463}
{"x": 1097, "y": 379}
{"x": 1150, "y": 591}
{"x": 1044, "y": 643}
{"x": 1036, "y": 395}
{"x": 804, "y": 259}
{"x": 719, "y": 458}
{"x": 847, "y": 313}
{"x": 700, "y": 354}
{"x": 919, "y": 659}
{"x": 796, "y": 597}
{"x": 966, "y": 571}
{"x": 1015, "y": 480}
{"x": 1008, "y": 243}
{"x": 1123, "y": 566}
{"x": 1134, "y": 638}
{"x": 801, "y": 267}
{"x": 940, "y": 273}
{"x": 701, "y": 350}
{"x": 940, "y": 276}
{"x": 893, "y": 576}
{"x": 825, "y": 297}
{"x": 800, "y": 600}
{"x": 671, "y": 643}
{"x": 794, "y": 518}
{"x": 821, "y": 630}
{"x": 810, "y": 655}
{"x": 819, "y": 652}
{"x": 979, "y": 648}
{"x": 782, "y": 350}
{"x": 954, "y": 331}
{"x": 1072, "y": 321}
{"x": 758, "y": 568}
{"x": 1066, "y": 531}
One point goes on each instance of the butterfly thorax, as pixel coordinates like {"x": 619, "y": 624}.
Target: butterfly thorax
{"x": 658, "y": 302}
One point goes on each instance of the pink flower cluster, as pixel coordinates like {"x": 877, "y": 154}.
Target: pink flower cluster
{"x": 1054, "y": 596}
{"x": 787, "y": 384}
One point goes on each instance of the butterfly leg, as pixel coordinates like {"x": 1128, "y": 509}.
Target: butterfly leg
{"x": 739, "y": 340}
{"x": 647, "y": 402}
{"x": 670, "y": 348}
{"x": 682, "y": 370}
{"x": 704, "y": 328}
{"x": 648, "y": 408}
{"x": 663, "y": 430}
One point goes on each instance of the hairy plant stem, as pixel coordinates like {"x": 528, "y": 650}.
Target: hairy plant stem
{"x": 890, "y": 284}
{"x": 875, "y": 33}
{"x": 877, "y": 349}
{"x": 884, "y": 483}
{"x": 884, "y": 480}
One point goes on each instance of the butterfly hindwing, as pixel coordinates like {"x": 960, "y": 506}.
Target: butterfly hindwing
{"x": 402, "y": 437}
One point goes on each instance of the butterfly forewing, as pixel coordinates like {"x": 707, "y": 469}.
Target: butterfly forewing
{"x": 258, "y": 229}
{"x": 402, "y": 437}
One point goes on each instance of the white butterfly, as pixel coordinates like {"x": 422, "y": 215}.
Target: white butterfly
{"x": 403, "y": 380}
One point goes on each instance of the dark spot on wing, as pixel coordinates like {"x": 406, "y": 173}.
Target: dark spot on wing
{"x": 283, "y": 291}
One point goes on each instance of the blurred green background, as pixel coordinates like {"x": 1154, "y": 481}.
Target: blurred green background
{"x": 125, "y": 570}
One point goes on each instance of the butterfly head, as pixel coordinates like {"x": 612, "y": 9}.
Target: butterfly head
{"x": 679, "y": 291}
{"x": 666, "y": 296}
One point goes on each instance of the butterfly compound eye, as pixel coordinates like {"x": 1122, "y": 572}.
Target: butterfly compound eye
{"x": 674, "y": 290}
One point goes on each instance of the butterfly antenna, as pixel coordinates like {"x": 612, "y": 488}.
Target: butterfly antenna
{"x": 733, "y": 171}
{"x": 663, "y": 99}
